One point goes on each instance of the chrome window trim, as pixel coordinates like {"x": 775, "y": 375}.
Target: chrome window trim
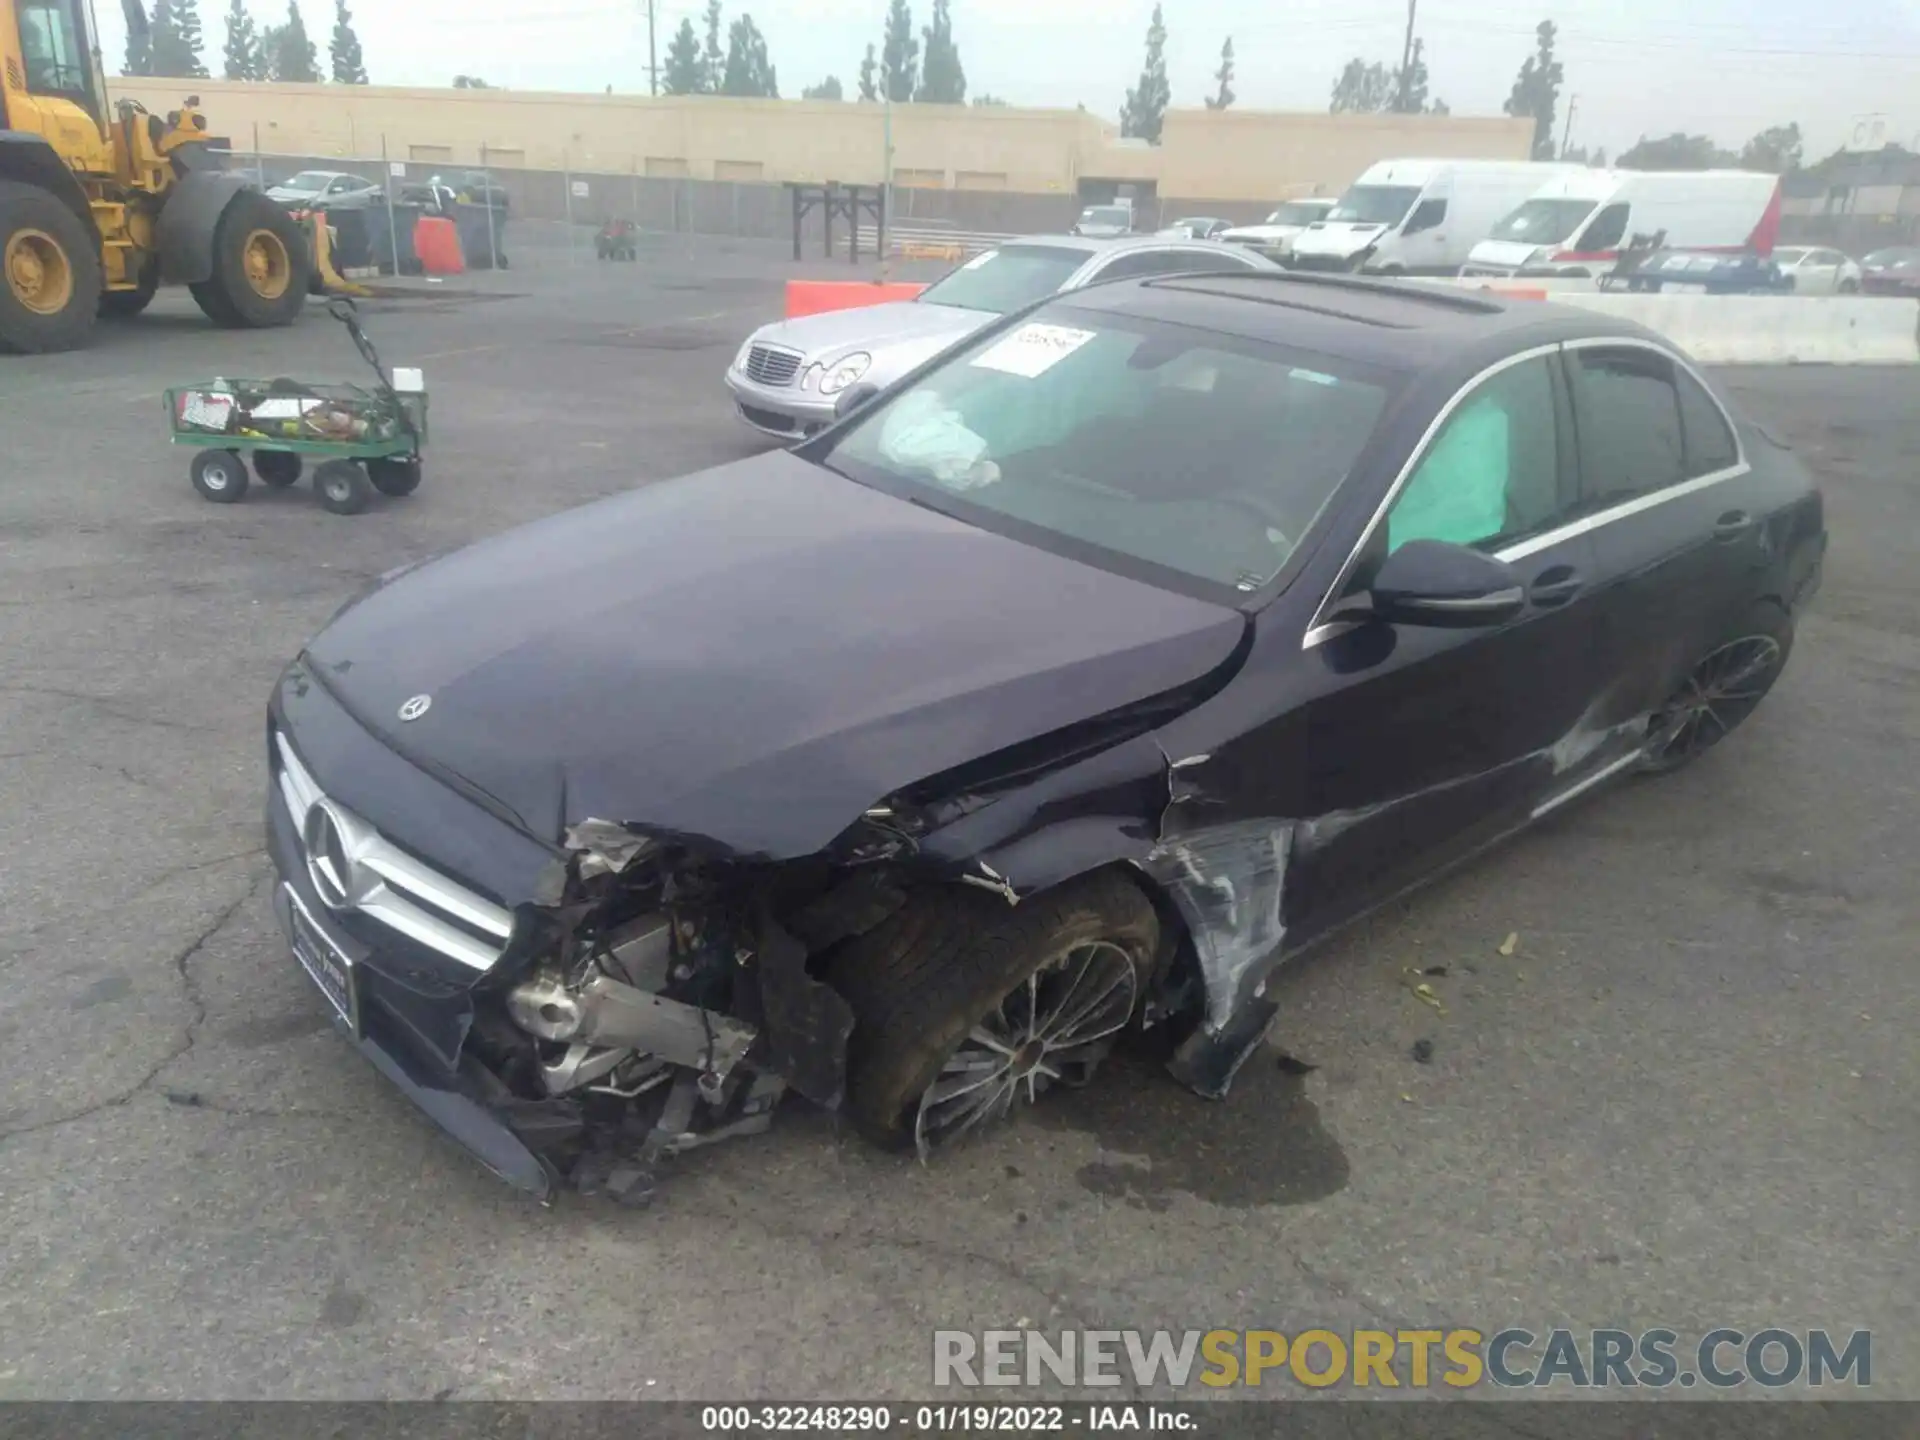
{"x": 403, "y": 880}
{"x": 1322, "y": 629}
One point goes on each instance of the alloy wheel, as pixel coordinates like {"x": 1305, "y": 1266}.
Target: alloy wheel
{"x": 1721, "y": 692}
{"x": 1053, "y": 1030}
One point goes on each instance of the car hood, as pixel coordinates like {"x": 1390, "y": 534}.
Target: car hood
{"x": 1337, "y": 237}
{"x": 752, "y": 655}
{"x": 1260, "y": 234}
{"x": 1503, "y": 252}
{"x": 873, "y": 328}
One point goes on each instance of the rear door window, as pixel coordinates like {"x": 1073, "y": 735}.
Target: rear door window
{"x": 1710, "y": 444}
{"x": 1627, "y": 414}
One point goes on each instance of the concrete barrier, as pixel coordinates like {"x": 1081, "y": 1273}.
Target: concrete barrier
{"x": 814, "y": 297}
{"x": 1772, "y": 329}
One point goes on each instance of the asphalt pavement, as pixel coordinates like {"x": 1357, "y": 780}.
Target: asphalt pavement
{"x": 1685, "y": 1098}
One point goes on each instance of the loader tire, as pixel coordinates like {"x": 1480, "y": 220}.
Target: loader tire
{"x": 260, "y": 266}
{"x": 49, "y": 272}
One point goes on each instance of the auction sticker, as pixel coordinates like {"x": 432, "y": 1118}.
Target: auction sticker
{"x": 1032, "y": 349}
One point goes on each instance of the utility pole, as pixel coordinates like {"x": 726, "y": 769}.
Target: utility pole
{"x": 1406, "y": 63}
{"x": 653, "y": 59}
{"x": 1566, "y": 133}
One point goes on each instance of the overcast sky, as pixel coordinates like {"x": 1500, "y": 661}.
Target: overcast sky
{"x": 1726, "y": 68}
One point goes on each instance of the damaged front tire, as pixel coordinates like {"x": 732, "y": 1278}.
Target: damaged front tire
{"x": 967, "y": 1008}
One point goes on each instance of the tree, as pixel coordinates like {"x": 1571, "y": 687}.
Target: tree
{"x": 349, "y": 65}
{"x": 827, "y": 89}
{"x": 243, "y": 60}
{"x": 748, "y": 71}
{"x": 139, "y": 49}
{"x": 1410, "y": 85}
{"x": 1580, "y": 155}
{"x": 1146, "y": 105}
{"x": 470, "y": 82}
{"x": 1224, "y": 97}
{"x": 289, "y": 54}
{"x": 1676, "y": 152}
{"x": 899, "y": 54}
{"x": 186, "y": 24}
{"x": 1536, "y": 90}
{"x": 1777, "y": 148}
{"x": 869, "y": 88}
{"x": 943, "y": 80}
{"x": 984, "y": 101}
{"x": 713, "y": 58}
{"x": 686, "y": 70}
{"x": 167, "y": 55}
{"x": 1362, "y": 89}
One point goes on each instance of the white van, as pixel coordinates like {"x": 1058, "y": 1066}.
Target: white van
{"x": 1575, "y": 225}
{"x": 1418, "y": 217}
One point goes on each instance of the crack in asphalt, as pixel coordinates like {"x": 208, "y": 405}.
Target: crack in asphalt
{"x": 107, "y": 705}
{"x": 190, "y": 1034}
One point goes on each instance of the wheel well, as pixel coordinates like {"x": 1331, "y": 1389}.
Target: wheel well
{"x": 29, "y": 160}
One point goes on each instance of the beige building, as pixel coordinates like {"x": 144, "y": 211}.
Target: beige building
{"x": 1246, "y": 156}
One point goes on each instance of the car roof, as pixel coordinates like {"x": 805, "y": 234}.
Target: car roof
{"x": 1392, "y": 325}
{"x": 1094, "y": 245}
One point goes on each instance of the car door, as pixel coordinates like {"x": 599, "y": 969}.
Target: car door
{"x": 1675, "y": 515}
{"x": 1417, "y": 745}
{"x": 1818, "y": 274}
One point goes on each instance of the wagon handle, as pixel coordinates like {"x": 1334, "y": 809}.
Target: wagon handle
{"x": 341, "y": 308}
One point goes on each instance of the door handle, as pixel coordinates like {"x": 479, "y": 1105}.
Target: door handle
{"x": 1555, "y": 586}
{"x": 1732, "y": 525}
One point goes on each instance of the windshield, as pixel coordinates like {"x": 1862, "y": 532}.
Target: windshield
{"x": 307, "y": 182}
{"x": 1007, "y": 278}
{"x": 1108, "y": 215}
{"x": 50, "y": 45}
{"x": 1544, "y": 222}
{"x": 1197, "y": 453}
{"x": 1375, "y": 204}
{"x": 1789, "y": 256}
{"x": 1888, "y": 259}
{"x": 1297, "y": 215}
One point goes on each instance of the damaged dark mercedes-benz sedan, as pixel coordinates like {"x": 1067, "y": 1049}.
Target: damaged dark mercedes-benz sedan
{"x": 1069, "y": 684}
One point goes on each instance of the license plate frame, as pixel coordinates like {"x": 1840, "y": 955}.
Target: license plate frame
{"x": 326, "y": 964}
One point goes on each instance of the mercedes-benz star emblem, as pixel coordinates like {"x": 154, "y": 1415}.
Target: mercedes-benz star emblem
{"x": 329, "y": 861}
{"x": 416, "y": 707}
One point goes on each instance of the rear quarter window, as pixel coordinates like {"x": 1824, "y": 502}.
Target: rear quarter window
{"x": 1710, "y": 445}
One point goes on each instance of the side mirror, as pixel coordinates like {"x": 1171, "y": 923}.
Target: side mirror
{"x": 853, "y": 397}
{"x": 1446, "y": 587}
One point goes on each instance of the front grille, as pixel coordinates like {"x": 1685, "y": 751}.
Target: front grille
{"x": 391, "y": 886}
{"x": 770, "y": 365}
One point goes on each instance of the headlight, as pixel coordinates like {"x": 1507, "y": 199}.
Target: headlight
{"x": 810, "y": 379}
{"x": 845, "y": 372}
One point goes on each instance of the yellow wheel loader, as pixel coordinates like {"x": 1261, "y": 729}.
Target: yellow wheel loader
{"x": 97, "y": 209}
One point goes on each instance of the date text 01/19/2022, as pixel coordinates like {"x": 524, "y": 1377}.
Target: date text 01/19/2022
{"x": 942, "y": 1419}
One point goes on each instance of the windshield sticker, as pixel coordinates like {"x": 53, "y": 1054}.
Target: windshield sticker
{"x": 1032, "y": 350}
{"x": 985, "y": 257}
{"x": 1312, "y": 377}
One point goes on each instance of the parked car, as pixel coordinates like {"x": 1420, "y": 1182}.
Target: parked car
{"x": 1709, "y": 272}
{"x": 1579, "y": 221}
{"x": 1105, "y": 221}
{"x": 1071, "y": 683}
{"x": 1418, "y": 217}
{"x": 1197, "y": 227}
{"x": 1894, "y": 271}
{"x": 324, "y": 190}
{"x": 1274, "y": 236}
{"x": 1815, "y": 270}
{"x": 788, "y": 376}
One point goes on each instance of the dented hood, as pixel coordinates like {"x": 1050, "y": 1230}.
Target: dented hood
{"x": 753, "y": 655}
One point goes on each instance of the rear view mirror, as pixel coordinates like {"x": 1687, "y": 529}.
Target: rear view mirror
{"x": 853, "y": 398}
{"x": 1444, "y": 586}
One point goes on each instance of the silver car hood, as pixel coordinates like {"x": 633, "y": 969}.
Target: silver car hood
{"x": 829, "y": 335}
{"x": 1262, "y": 232}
